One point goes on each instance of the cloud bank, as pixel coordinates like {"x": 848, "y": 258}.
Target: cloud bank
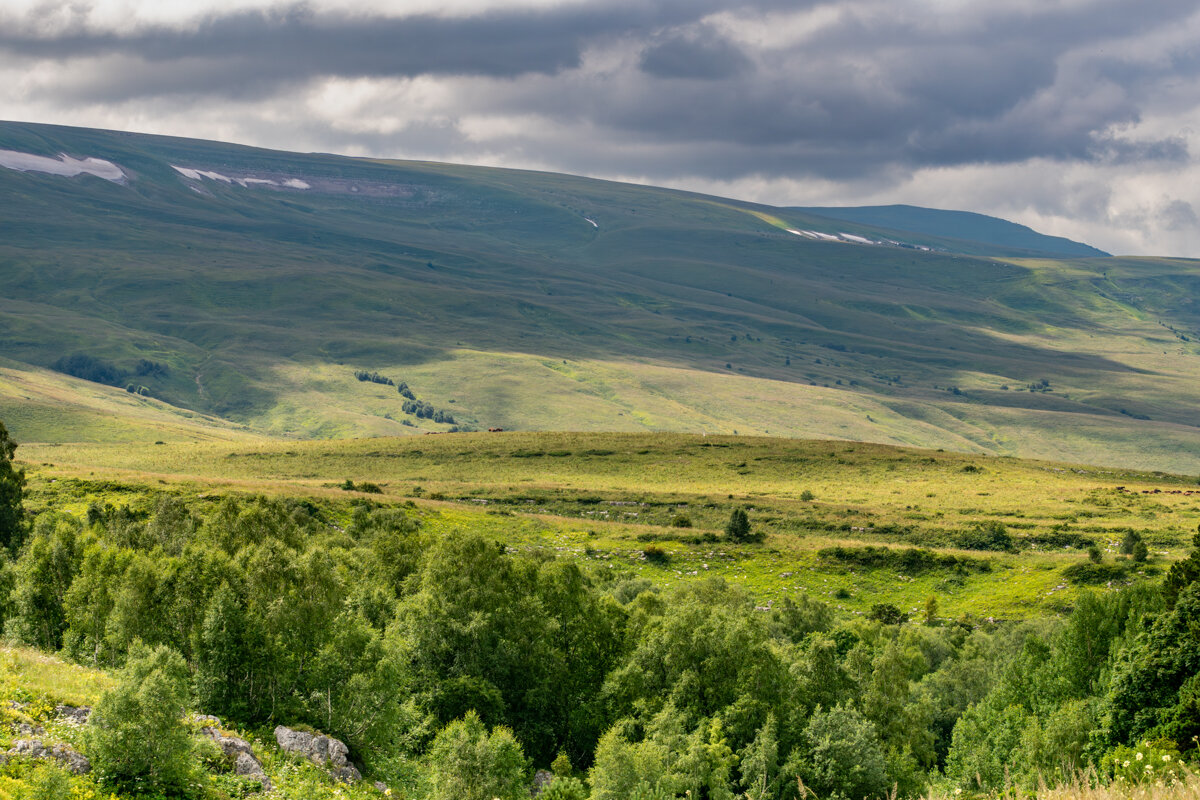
{"x": 1077, "y": 117}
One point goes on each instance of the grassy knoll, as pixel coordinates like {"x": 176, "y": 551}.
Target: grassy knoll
{"x": 613, "y": 499}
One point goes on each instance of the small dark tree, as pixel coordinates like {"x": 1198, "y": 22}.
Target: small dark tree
{"x": 1094, "y": 554}
{"x": 1140, "y": 552}
{"x": 12, "y": 487}
{"x": 738, "y": 527}
{"x": 1130, "y": 541}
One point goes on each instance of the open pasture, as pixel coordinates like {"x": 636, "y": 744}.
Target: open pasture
{"x": 656, "y": 504}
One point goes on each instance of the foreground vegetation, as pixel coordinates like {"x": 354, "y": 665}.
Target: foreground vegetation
{"x": 456, "y": 611}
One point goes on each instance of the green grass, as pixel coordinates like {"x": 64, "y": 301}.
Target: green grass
{"x": 475, "y": 285}
{"x": 603, "y": 498}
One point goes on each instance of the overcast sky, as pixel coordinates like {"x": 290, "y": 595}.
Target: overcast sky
{"x": 1076, "y": 117}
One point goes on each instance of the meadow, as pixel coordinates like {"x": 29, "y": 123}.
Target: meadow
{"x": 609, "y": 498}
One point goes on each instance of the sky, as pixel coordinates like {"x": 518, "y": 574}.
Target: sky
{"x": 1079, "y": 118}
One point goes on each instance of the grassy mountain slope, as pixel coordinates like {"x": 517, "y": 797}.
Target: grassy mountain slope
{"x": 540, "y": 301}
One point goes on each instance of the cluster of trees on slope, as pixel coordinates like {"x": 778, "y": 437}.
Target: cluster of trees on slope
{"x": 411, "y": 405}
{"x": 97, "y": 370}
{"x": 482, "y": 663}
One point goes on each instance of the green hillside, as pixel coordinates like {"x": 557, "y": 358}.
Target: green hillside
{"x": 547, "y": 302}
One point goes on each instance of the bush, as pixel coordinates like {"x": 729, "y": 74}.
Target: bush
{"x": 136, "y": 737}
{"x": 656, "y": 555}
{"x": 842, "y": 757}
{"x": 990, "y": 535}
{"x": 909, "y": 560}
{"x": 469, "y": 764}
{"x": 1140, "y": 552}
{"x": 887, "y": 613}
{"x": 681, "y": 521}
{"x": 1089, "y": 572}
{"x": 565, "y": 789}
{"x": 1147, "y": 762}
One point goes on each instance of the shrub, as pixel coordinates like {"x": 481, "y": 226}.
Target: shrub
{"x": 136, "y": 737}
{"x": 656, "y": 554}
{"x": 909, "y": 560}
{"x": 681, "y": 521}
{"x": 1147, "y": 762}
{"x": 565, "y": 789}
{"x": 887, "y": 613}
{"x": 1140, "y": 552}
{"x": 990, "y": 535}
{"x": 1088, "y": 572}
{"x": 469, "y": 764}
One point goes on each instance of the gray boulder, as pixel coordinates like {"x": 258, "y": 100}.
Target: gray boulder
{"x": 231, "y": 746}
{"x": 69, "y": 757}
{"x": 238, "y": 750}
{"x": 249, "y": 767}
{"x": 541, "y": 780}
{"x": 324, "y": 751}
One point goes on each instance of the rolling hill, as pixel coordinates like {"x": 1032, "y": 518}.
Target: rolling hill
{"x": 249, "y": 286}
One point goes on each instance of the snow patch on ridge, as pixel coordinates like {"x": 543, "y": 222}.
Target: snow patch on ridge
{"x": 63, "y": 165}
{"x": 244, "y": 181}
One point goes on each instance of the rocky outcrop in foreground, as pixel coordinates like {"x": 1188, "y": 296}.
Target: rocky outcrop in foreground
{"x": 238, "y": 750}
{"x": 70, "y": 758}
{"x": 324, "y": 751}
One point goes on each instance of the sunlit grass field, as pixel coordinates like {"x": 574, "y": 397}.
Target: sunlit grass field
{"x": 611, "y": 500}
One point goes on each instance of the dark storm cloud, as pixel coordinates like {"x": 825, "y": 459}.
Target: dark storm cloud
{"x": 701, "y": 53}
{"x": 878, "y": 86}
{"x": 298, "y": 42}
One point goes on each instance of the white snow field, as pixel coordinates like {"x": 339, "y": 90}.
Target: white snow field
{"x": 63, "y": 165}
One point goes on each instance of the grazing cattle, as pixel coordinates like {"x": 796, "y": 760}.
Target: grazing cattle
{"x": 495, "y": 430}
